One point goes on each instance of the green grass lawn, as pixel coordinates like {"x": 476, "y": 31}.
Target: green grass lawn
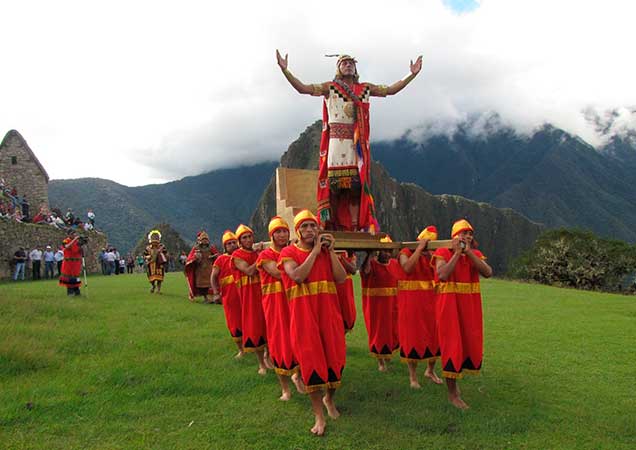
{"x": 119, "y": 368}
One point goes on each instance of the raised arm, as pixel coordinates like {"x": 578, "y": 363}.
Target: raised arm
{"x": 408, "y": 263}
{"x": 383, "y": 91}
{"x": 302, "y": 88}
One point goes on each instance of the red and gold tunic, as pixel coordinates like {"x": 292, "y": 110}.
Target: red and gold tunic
{"x": 276, "y": 311}
{"x": 316, "y": 327}
{"x": 347, "y": 299}
{"x": 230, "y": 295}
{"x": 416, "y": 311}
{"x": 252, "y": 316}
{"x": 379, "y": 305}
{"x": 461, "y": 330}
{"x": 70, "y": 275}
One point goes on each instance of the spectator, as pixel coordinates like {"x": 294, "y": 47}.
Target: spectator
{"x": 102, "y": 260}
{"x": 49, "y": 263}
{"x": 25, "y": 207}
{"x": 182, "y": 259}
{"x": 91, "y": 217}
{"x": 19, "y": 257}
{"x": 109, "y": 257}
{"x": 130, "y": 263}
{"x": 36, "y": 260}
{"x": 140, "y": 263}
{"x": 117, "y": 258}
{"x": 69, "y": 218}
{"x": 59, "y": 257}
{"x": 122, "y": 265}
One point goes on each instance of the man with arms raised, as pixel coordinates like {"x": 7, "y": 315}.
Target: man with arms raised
{"x": 344, "y": 195}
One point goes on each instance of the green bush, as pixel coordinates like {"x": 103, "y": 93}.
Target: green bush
{"x": 576, "y": 258}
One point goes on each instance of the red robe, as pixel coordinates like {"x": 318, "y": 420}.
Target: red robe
{"x": 316, "y": 327}
{"x": 379, "y": 305}
{"x": 230, "y": 295}
{"x": 252, "y": 316}
{"x": 416, "y": 312}
{"x": 459, "y": 314}
{"x": 276, "y": 309}
{"x": 70, "y": 276}
{"x": 347, "y": 300}
{"x": 194, "y": 290}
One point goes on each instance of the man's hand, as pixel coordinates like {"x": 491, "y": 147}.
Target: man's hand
{"x": 282, "y": 62}
{"x": 421, "y": 245}
{"x": 457, "y": 245}
{"x": 197, "y": 255}
{"x": 258, "y": 246}
{"x": 327, "y": 241}
{"x": 415, "y": 67}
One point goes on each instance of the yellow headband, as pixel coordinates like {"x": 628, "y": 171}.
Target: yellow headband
{"x": 303, "y": 216}
{"x": 429, "y": 233}
{"x": 241, "y": 230}
{"x": 386, "y": 238}
{"x": 276, "y": 223}
{"x": 228, "y": 236}
{"x": 459, "y": 226}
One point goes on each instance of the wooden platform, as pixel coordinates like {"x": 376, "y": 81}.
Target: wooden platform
{"x": 347, "y": 240}
{"x": 296, "y": 190}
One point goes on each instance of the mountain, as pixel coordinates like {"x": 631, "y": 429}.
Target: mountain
{"x": 550, "y": 176}
{"x": 404, "y": 209}
{"x": 212, "y": 201}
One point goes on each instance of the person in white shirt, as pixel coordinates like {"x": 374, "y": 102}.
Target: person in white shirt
{"x": 59, "y": 257}
{"x": 36, "y": 261}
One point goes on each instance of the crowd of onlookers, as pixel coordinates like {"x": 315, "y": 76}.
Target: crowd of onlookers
{"x": 39, "y": 263}
{"x": 12, "y": 205}
{"x": 16, "y": 207}
{"x": 113, "y": 263}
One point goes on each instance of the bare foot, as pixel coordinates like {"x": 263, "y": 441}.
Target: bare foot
{"x": 152, "y": 289}
{"x": 458, "y": 402}
{"x": 298, "y": 382}
{"x": 319, "y": 427}
{"x": 286, "y": 396}
{"x": 239, "y": 355}
{"x": 262, "y": 371}
{"x": 415, "y": 384}
{"x": 431, "y": 375}
{"x": 268, "y": 363}
{"x": 381, "y": 365}
{"x": 331, "y": 408}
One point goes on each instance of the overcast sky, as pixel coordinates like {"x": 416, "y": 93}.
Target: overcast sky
{"x": 146, "y": 92}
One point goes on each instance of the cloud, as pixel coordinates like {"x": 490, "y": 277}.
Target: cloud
{"x": 149, "y": 91}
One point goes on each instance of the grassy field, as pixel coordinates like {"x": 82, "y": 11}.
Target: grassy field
{"x": 119, "y": 368}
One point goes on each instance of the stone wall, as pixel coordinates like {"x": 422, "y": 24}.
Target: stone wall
{"x": 28, "y": 236}
{"x": 20, "y": 169}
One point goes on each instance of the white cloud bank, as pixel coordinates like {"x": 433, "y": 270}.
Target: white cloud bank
{"x": 142, "y": 92}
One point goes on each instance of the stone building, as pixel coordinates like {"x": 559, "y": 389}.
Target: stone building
{"x": 21, "y": 169}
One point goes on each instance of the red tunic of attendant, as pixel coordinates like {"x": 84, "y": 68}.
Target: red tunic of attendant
{"x": 416, "y": 311}
{"x": 347, "y": 299}
{"x": 71, "y": 266}
{"x": 252, "y": 317}
{"x": 316, "y": 327}
{"x": 230, "y": 295}
{"x": 379, "y": 305}
{"x": 276, "y": 309}
{"x": 459, "y": 314}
